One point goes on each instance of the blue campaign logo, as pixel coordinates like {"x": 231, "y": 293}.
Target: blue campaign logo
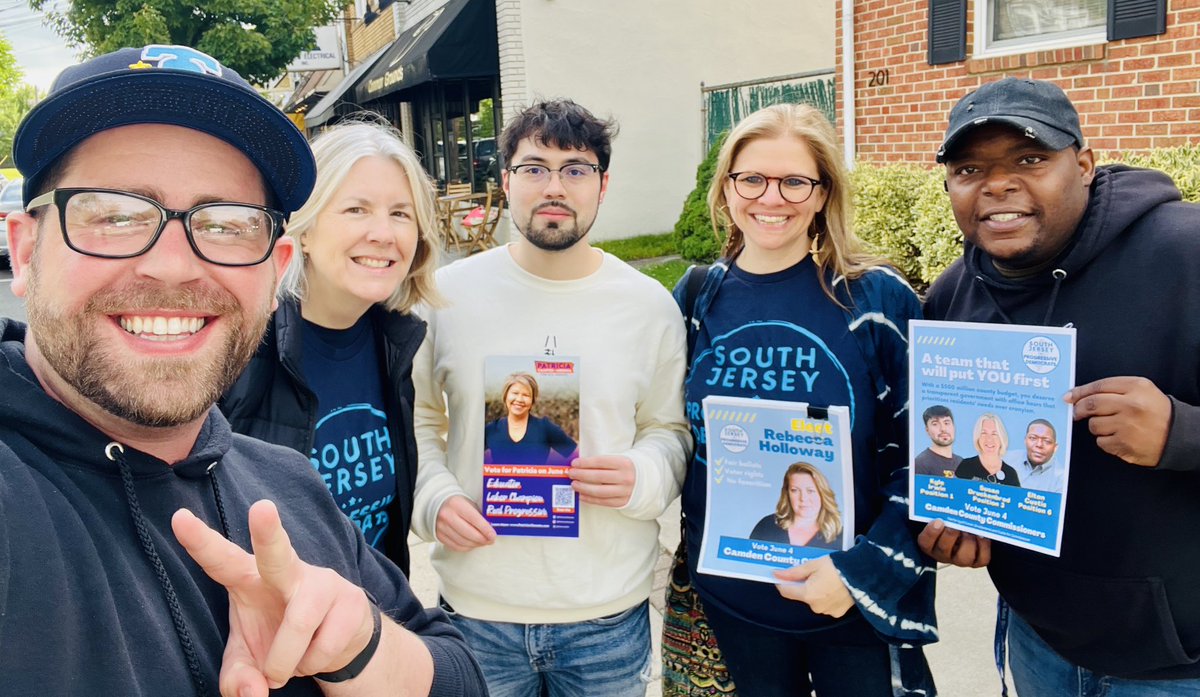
{"x": 181, "y": 58}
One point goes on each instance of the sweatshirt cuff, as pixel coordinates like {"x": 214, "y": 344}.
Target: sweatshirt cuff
{"x": 1182, "y": 451}
{"x": 455, "y": 673}
{"x": 652, "y": 493}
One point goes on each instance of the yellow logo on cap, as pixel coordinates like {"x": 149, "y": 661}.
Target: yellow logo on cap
{"x": 140, "y": 65}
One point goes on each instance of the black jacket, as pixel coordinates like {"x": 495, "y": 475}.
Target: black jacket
{"x": 82, "y": 609}
{"x": 271, "y": 401}
{"x": 1123, "y": 598}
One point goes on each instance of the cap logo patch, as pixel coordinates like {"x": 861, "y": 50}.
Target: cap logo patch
{"x": 1030, "y": 133}
{"x": 179, "y": 58}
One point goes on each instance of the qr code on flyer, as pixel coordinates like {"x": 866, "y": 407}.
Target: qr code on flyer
{"x": 563, "y": 498}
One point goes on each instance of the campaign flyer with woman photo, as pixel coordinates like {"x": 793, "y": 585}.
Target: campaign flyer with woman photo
{"x": 530, "y": 437}
{"x": 989, "y": 433}
{"x": 779, "y": 486}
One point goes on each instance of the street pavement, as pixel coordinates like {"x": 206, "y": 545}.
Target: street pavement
{"x": 966, "y": 604}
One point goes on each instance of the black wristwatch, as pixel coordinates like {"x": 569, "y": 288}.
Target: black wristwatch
{"x": 355, "y": 667}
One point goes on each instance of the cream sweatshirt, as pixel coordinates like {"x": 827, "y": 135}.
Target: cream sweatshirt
{"x": 629, "y": 337}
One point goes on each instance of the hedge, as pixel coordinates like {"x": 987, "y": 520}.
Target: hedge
{"x": 694, "y": 233}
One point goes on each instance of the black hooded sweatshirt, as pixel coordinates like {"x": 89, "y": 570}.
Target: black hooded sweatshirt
{"x": 83, "y": 610}
{"x": 1124, "y": 597}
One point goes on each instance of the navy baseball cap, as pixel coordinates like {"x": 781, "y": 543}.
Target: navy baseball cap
{"x": 1037, "y": 108}
{"x": 174, "y": 85}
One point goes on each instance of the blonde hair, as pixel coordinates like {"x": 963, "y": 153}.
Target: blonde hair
{"x": 835, "y": 246}
{"x": 337, "y": 150}
{"x": 829, "y": 520}
{"x": 1000, "y": 431}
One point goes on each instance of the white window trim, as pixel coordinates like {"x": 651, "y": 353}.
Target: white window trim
{"x": 1053, "y": 43}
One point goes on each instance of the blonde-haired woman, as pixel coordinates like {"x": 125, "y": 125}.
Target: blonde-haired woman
{"x": 795, "y": 310}
{"x": 991, "y": 442}
{"x": 333, "y": 377}
{"x": 806, "y": 514}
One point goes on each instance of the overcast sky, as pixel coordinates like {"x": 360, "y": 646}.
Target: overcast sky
{"x": 41, "y": 53}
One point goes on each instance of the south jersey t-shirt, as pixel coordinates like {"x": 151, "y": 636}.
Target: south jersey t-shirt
{"x": 352, "y": 444}
{"x": 775, "y": 336}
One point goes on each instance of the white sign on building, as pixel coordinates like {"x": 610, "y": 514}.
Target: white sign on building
{"x": 327, "y": 56}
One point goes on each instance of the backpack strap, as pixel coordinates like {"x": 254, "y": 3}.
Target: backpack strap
{"x": 691, "y": 293}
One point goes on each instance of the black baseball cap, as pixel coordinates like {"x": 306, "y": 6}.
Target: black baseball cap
{"x": 175, "y": 85}
{"x": 1037, "y": 108}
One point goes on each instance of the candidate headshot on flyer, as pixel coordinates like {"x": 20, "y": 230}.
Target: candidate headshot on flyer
{"x": 806, "y": 514}
{"x": 525, "y": 424}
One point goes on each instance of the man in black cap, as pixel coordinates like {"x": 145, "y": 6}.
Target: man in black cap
{"x": 157, "y": 186}
{"x": 1051, "y": 239}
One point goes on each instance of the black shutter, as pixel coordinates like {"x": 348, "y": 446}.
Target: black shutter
{"x": 948, "y": 30}
{"x": 1129, "y": 19}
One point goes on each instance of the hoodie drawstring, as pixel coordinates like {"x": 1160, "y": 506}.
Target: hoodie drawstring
{"x": 116, "y": 453}
{"x": 1059, "y": 276}
{"x": 212, "y": 479}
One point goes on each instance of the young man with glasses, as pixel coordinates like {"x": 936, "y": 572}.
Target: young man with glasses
{"x": 157, "y": 185}
{"x": 545, "y": 615}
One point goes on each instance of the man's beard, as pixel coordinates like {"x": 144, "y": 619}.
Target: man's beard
{"x": 554, "y": 236}
{"x": 157, "y": 392}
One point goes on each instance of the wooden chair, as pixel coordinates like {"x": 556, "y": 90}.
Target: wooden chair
{"x": 455, "y": 203}
{"x": 481, "y": 229}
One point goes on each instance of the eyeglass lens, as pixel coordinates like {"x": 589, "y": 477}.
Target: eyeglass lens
{"x": 115, "y": 224}
{"x": 752, "y": 185}
{"x": 568, "y": 174}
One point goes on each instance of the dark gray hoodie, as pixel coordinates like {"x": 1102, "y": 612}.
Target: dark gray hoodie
{"x": 82, "y": 610}
{"x": 1122, "y": 599}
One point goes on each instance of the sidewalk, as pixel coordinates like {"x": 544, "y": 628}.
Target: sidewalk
{"x": 962, "y": 660}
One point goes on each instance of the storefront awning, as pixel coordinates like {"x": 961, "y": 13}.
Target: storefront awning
{"x": 457, "y": 40}
{"x": 325, "y": 109}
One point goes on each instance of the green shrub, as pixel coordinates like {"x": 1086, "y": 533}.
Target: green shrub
{"x": 902, "y": 213}
{"x": 935, "y": 233}
{"x": 1181, "y": 163}
{"x": 694, "y": 235}
{"x": 885, "y": 211}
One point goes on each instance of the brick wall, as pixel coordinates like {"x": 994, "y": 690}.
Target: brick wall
{"x": 511, "y": 42}
{"x": 1132, "y": 95}
{"x": 365, "y": 39}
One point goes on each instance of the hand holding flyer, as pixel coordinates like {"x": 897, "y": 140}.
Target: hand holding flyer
{"x": 530, "y": 438}
{"x": 780, "y": 486}
{"x": 990, "y": 437}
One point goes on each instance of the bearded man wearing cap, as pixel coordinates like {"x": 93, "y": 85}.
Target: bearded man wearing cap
{"x": 137, "y": 556}
{"x": 1051, "y": 239}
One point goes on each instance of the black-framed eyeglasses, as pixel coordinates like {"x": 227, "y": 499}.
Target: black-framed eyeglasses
{"x": 119, "y": 225}
{"x": 794, "y": 188}
{"x": 573, "y": 174}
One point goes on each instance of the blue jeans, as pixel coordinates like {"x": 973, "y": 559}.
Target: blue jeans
{"x": 1038, "y": 671}
{"x": 605, "y": 657}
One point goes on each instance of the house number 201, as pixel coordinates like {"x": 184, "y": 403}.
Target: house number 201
{"x": 879, "y": 78}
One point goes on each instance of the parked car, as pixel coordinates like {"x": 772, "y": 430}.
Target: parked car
{"x": 10, "y": 201}
{"x": 486, "y": 166}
